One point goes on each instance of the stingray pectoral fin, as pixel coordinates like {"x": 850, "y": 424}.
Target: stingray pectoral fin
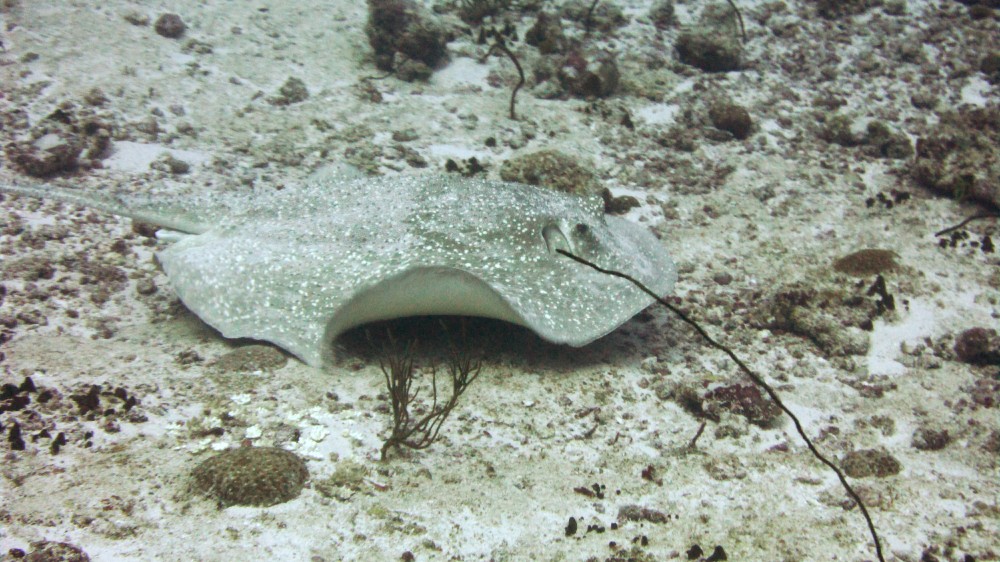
{"x": 576, "y": 315}
{"x": 425, "y": 291}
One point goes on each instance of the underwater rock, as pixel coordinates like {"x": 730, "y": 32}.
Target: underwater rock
{"x": 925, "y": 439}
{"x": 882, "y": 142}
{"x": 28, "y": 268}
{"x": 709, "y": 51}
{"x": 170, "y": 26}
{"x": 978, "y": 346}
{"x": 136, "y": 18}
{"x": 990, "y": 66}
{"x": 960, "y": 156}
{"x": 662, "y": 14}
{"x": 830, "y": 316}
{"x": 732, "y": 118}
{"x": 742, "y": 399}
{"x": 838, "y": 128}
{"x": 292, "y": 91}
{"x": 589, "y": 75}
{"x": 64, "y": 140}
{"x": 546, "y": 34}
{"x": 403, "y": 27}
{"x": 867, "y": 262}
{"x": 633, "y": 512}
{"x": 348, "y": 477}
{"x": 46, "y": 155}
{"x": 170, "y": 164}
{"x": 410, "y": 70}
{"x": 618, "y": 205}
{"x": 599, "y": 16}
{"x": 52, "y": 551}
{"x": 866, "y": 463}
{"x": 473, "y": 12}
{"x": 834, "y": 9}
{"x": 550, "y": 168}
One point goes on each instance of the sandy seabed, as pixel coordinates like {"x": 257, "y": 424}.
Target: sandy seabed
{"x": 600, "y": 434}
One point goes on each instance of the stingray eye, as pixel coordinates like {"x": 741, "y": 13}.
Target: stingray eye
{"x": 555, "y": 239}
{"x": 585, "y": 239}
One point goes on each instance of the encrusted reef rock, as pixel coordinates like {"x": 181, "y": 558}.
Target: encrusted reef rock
{"x": 257, "y": 476}
{"x": 406, "y": 38}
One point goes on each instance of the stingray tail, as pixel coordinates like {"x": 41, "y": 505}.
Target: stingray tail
{"x": 144, "y": 209}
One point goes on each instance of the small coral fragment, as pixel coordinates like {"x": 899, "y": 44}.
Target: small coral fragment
{"x": 552, "y": 169}
{"x": 709, "y": 51}
{"x": 731, "y": 118}
{"x": 170, "y": 26}
{"x": 257, "y": 476}
{"x": 401, "y": 29}
{"x": 865, "y": 263}
{"x": 870, "y": 462}
{"x": 52, "y": 551}
{"x": 979, "y": 346}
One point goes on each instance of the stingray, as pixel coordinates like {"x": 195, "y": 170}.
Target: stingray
{"x": 299, "y": 266}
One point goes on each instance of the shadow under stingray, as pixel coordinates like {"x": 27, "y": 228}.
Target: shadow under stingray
{"x": 486, "y": 339}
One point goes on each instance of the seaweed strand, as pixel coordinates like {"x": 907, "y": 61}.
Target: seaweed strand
{"x": 739, "y": 18}
{"x": 758, "y": 380}
{"x": 499, "y": 45}
{"x": 967, "y": 221}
